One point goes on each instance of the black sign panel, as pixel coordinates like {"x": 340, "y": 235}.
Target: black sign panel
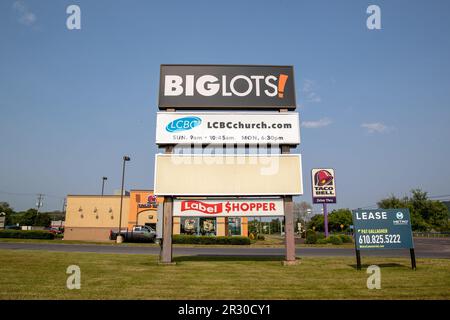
{"x": 226, "y": 87}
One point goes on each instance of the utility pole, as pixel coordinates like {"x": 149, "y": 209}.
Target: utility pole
{"x": 119, "y": 238}
{"x": 39, "y": 202}
{"x": 103, "y": 184}
{"x": 64, "y": 207}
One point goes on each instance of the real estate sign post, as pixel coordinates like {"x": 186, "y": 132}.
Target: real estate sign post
{"x": 383, "y": 229}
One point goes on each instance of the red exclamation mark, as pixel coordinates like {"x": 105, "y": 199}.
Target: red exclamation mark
{"x": 281, "y": 83}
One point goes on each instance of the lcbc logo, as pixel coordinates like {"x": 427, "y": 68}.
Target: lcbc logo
{"x": 239, "y": 85}
{"x": 183, "y": 124}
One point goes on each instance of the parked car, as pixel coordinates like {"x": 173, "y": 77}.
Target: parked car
{"x": 13, "y": 227}
{"x": 55, "y": 231}
{"x": 137, "y": 234}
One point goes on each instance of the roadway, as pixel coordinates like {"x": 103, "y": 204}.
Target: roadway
{"x": 424, "y": 248}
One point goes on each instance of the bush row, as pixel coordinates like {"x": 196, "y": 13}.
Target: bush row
{"x": 254, "y": 236}
{"x": 26, "y": 234}
{"x": 317, "y": 238}
{"x": 188, "y": 239}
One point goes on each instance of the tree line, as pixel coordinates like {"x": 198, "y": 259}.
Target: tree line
{"x": 426, "y": 214}
{"x": 29, "y": 217}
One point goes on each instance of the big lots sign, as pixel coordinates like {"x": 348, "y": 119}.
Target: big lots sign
{"x": 226, "y": 87}
{"x": 228, "y": 207}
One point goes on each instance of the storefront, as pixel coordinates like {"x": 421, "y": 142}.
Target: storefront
{"x": 198, "y": 226}
{"x": 92, "y": 217}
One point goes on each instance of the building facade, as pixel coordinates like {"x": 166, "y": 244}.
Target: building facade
{"x": 92, "y": 217}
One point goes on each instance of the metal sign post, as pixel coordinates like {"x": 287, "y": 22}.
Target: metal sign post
{"x": 325, "y": 219}
{"x": 358, "y": 259}
{"x": 413, "y": 258}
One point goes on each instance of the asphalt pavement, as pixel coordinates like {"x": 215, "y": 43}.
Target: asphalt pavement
{"x": 424, "y": 248}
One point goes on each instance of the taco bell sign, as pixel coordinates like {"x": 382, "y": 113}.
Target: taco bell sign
{"x": 323, "y": 186}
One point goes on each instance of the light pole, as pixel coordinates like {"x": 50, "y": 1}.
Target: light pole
{"x": 119, "y": 238}
{"x": 103, "y": 184}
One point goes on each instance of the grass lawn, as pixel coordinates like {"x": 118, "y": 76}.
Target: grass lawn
{"x": 42, "y": 275}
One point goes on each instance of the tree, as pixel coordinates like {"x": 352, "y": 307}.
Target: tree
{"x": 32, "y": 218}
{"x": 43, "y": 220}
{"x": 316, "y": 222}
{"x": 301, "y": 212}
{"x": 426, "y": 214}
{"x": 393, "y": 203}
{"x": 28, "y": 217}
{"x": 4, "y": 207}
{"x": 335, "y": 219}
{"x": 338, "y": 217}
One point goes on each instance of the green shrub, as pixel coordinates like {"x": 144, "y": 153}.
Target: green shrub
{"x": 260, "y": 237}
{"x": 320, "y": 235}
{"x": 319, "y": 238}
{"x": 334, "y": 239}
{"x": 26, "y": 234}
{"x": 311, "y": 237}
{"x": 345, "y": 238}
{"x": 189, "y": 239}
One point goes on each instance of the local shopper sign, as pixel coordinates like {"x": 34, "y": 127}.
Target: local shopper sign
{"x": 382, "y": 229}
{"x": 228, "y": 207}
{"x": 323, "y": 186}
{"x": 226, "y": 86}
{"x": 222, "y": 128}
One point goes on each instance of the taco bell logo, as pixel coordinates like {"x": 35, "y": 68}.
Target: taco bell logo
{"x": 183, "y": 124}
{"x": 323, "y": 178}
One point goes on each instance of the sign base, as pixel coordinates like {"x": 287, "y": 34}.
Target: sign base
{"x": 160, "y": 263}
{"x": 291, "y": 262}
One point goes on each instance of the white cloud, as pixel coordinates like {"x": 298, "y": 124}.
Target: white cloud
{"x": 317, "y": 124}
{"x": 376, "y": 127}
{"x": 309, "y": 90}
{"x": 25, "y": 15}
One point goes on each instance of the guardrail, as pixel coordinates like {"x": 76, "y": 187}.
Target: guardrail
{"x": 431, "y": 234}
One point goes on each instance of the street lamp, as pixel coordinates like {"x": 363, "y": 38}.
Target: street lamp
{"x": 119, "y": 238}
{"x": 103, "y": 184}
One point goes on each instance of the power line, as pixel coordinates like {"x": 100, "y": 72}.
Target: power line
{"x": 17, "y": 194}
{"x": 442, "y": 196}
{"x": 30, "y": 194}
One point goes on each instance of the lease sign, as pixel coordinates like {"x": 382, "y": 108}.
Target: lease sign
{"x": 228, "y": 207}
{"x": 382, "y": 229}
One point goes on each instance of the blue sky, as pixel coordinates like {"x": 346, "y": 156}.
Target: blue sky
{"x": 375, "y": 104}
